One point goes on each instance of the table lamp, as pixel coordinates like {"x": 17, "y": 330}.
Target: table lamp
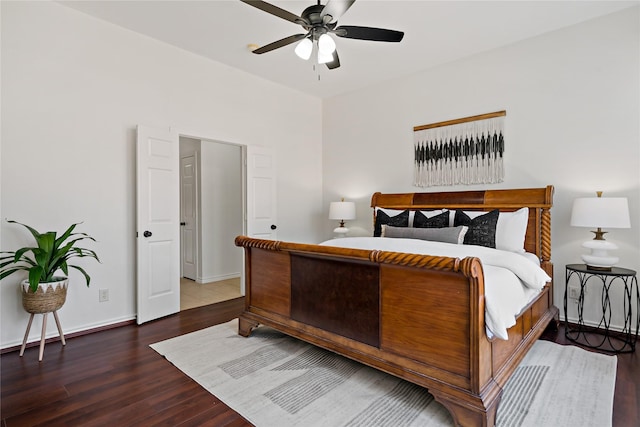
{"x": 600, "y": 212}
{"x": 342, "y": 211}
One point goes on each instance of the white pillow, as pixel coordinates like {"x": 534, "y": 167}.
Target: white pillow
{"x": 532, "y": 257}
{"x": 394, "y": 212}
{"x": 432, "y": 213}
{"x": 511, "y": 229}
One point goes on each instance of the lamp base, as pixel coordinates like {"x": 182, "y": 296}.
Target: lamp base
{"x": 599, "y": 258}
{"x": 341, "y": 231}
{"x": 595, "y": 268}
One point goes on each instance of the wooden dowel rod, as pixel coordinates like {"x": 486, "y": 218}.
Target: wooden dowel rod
{"x": 462, "y": 120}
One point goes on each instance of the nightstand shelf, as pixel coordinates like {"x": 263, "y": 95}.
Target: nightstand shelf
{"x": 600, "y": 336}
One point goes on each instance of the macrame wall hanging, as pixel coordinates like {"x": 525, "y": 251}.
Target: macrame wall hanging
{"x": 462, "y": 151}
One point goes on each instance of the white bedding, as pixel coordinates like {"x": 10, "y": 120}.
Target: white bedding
{"x": 512, "y": 280}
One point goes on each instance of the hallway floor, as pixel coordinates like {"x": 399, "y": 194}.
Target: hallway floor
{"x": 193, "y": 294}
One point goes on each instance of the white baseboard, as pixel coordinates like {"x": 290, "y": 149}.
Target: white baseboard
{"x": 590, "y": 324}
{"x": 217, "y": 278}
{"x": 35, "y": 333}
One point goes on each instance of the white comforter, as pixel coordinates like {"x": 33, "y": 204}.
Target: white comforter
{"x": 511, "y": 279}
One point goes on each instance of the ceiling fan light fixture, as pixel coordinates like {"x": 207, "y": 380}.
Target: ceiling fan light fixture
{"x": 304, "y": 48}
{"x": 323, "y": 58}
{"x": 326, "y": 44}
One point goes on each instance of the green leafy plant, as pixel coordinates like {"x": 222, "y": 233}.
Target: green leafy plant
{"x": 51, "y": 254}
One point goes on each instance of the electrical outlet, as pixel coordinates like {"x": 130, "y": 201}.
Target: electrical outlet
{"x": 103, "y": 295}
{"x": 574, "y": 292}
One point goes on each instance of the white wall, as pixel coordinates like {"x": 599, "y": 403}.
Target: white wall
{"x": 572, "y": 101}
{"x": 222, "y": 221}
{"x": 73, "y": 90}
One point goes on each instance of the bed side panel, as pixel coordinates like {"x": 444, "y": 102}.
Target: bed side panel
{"x": 425, "y": 317}
{"x": 270, "y": 281}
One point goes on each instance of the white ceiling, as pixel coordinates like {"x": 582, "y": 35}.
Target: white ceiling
{"x": 436, "y": 32}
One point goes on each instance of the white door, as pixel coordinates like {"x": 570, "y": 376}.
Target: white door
{"x": 261, "y": 193}
{"x": 158, "y": 223}
{"x": 189, "y": 216}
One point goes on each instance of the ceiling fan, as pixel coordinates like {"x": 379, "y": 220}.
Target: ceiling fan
{"x": 319, "y": 21}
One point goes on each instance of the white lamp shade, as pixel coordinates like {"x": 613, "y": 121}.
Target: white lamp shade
{"x": 326, "y": 44}
{"x": 304, "y": 49}
{"x": 323, "y": 58}
{"x": 603, "y": 212}
{"x": 342, "y": 211}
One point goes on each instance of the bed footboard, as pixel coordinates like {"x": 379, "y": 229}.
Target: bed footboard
{"x": 414, "y": 316}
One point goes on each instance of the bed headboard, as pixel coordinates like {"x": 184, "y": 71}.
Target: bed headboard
{"x": 538, "y": 200}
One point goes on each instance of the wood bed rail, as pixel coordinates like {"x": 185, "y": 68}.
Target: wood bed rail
{"x": 469, "y": 266}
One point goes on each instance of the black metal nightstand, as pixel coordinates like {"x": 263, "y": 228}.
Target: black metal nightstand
{"x": 601, "y": 337}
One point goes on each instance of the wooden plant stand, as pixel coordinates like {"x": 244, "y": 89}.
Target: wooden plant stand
{"x": 49, "y": 298}
{"x": 44, "y": 331}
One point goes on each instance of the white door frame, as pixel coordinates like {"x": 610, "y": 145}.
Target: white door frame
{"x": 243, "y": 149}
{"x": 167, "y": 301}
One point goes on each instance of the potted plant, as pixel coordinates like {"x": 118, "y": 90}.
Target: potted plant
{"x": 46, "y": 290}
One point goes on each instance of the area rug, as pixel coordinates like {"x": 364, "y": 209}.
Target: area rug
{"x": 277, "y": 381}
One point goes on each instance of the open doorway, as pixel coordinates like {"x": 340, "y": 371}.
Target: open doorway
{"x": 158, "y": 269}
{"x": 211, "y": 216}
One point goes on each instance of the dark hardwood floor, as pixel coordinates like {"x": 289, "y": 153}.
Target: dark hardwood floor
{"x": 114, "y": 378}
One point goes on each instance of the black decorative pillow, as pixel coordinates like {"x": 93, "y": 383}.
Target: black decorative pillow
{"x": 400, "y": 220}
{"x": 482, "y": 229}
{"x": 420, "y": 220}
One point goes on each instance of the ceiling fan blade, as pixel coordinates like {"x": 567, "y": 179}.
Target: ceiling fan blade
{"x": 368, "y": 33}
{"x": 334, "y": 9}
{"x": 335, "y": 62}
{"x": 280, "y": 43}
{"x": 275, "y": 10}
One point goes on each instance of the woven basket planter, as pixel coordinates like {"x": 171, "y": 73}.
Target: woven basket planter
{"x": 49, "y": 296}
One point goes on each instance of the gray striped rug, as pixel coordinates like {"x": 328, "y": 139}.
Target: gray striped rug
{"x": 275, "y": 380}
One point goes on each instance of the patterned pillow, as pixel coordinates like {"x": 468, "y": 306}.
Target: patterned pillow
{"x": 400, "y": 220}
{"x": 511, "y": 229}
{"x": 482, "y": 229}
{"x": 420, "y": 220}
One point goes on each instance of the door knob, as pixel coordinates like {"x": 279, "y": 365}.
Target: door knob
{"x": 273, "y": 226}
{"x": 147, "y": 233}
{"x": 183, "y": 223}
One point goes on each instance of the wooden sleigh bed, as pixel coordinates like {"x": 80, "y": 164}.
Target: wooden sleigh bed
{"x": 418, "y": 317}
